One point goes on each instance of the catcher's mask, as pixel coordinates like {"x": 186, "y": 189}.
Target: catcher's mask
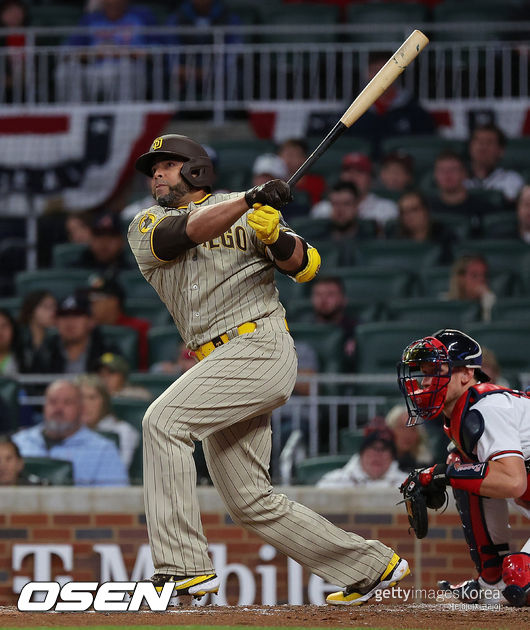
{"x": 425, "y": 370}
{"x": 197, "y": 169}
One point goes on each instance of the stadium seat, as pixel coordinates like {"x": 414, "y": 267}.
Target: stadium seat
{"x": 56, "y": 14}
{"x": 163, "y": 343}
{"x": 311, "y": 229}
{"x": 57, "y": 472}
{"x": 423, "y": 149}
{"x": 64, "y": 255}
{"x": 11, "y": 305}
{"x": 511, "y": 309}
{"x": 325, "y": 339}
{"x": 480, "y": 23}
{"x": 311, "y": 469}
{"x": 9, "y": 403}
{"x": 499, "y": 225}
{"x": 397, "y": 254}
{"x": 289, "y": 289}
{"x": 155, "y": 383}
{"x": 517, "y": 154}
{"x": 130, "y": 410}
{"x": 154, "y": 311}
{"x": 350, "y": 441}
{"x": 405, "y": 17}
{"x": 501, "y": 254}
{"x": 125, "y": 339}
{"x": 360, "y": 309}
{"x": 330, "y": 254}
{"x": 508, "y": 340}
{"x": 375, "y": 283}
{"x": 432, "y": 312}
{"x": 135, "y": 285}
{"x": 60, "y": 282}
{"x": 435, "y": 282}
{"x": 288, "y": 15}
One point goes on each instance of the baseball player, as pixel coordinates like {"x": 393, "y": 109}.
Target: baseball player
{"x": 489, "y": 427}
{"x": 212, "y": 262}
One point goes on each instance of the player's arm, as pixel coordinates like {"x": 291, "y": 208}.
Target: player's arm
{"x": 290, "y": 252}
{"x": 173, "y": 235}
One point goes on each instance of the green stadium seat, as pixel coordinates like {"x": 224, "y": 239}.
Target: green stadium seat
{"x": 11, "y": 305}
{"x": 64, "y": 255}
{"x": 435, "y": 282}
{"x": 480, "y": 23}
{"x": 289, "y": 289}
{"x": 375, "y": 283}
{"x": 508, "y": 340}
{"x": 432, "y": 312}
{"x": 511, "y": 309}
{"x": 311, "y": 469}
{"x": 360, "y": 309}
{"x": 9, "y": 399}
{"x": 423, "y": 149}
{"x": 125, "y": 339}
{"x": 300, "y": 15}
{"x": 155, "y": 383}
{"x": 154, "y": 311}
{"x": 499, "y": 225}
{"x": 60, "y": 282}
{"x": 398, "y": 254}
{"x": 56, "y": 472}
{"x": 379, "y": 347}
{"x": 311, "y": 229}
{"x": 135, "y": 285}
{"x": 56, "y": 14}
{"x": 325, "y": 339}
{"x": 163, "y": 343}
{"x": 136, "y": 469}
{"x": 130, "y": 410}
{"x": 517, "y": 154}
{"x": 350, "y": 441}
{"x": 404, "y": 16}
{"x": 330, "y": 254}
{"x": 501, "y": 254}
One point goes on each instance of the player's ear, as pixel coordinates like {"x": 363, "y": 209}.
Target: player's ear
{"x": 466, "y": 375}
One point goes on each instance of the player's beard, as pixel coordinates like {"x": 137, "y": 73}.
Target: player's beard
{"x": 175, "y": 194}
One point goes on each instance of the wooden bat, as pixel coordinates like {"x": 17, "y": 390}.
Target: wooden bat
{"x": 408, "y": 51}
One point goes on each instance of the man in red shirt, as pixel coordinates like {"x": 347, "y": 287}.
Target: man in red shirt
{"x": 106, "y": 303}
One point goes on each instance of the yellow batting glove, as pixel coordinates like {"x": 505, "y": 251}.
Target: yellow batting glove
{"x": 265, "y": 220}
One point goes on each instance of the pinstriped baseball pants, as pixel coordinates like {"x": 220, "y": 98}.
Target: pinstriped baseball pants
{"x": 226, "y": 401}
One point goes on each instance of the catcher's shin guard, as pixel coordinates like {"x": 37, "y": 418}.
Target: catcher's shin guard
{"x": 516, "y": 576}
{"x": 485, "y": 524}
{"x": 397, "y": 569}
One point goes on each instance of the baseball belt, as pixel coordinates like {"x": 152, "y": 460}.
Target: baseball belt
{"x": 208, "y": 347}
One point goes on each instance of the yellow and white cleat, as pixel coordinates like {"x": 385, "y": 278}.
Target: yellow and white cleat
{"x": 196, "y": 586}
{"x": 397, "y": 569}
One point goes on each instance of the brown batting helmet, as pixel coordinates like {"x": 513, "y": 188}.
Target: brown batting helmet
{"x": 197, "y": 169}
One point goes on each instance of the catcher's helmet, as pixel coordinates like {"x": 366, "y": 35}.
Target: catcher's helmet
{"x": 197, "y": 169}
{"x": 430, "y": 361}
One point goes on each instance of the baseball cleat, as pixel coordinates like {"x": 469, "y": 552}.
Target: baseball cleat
{"x": 196, "y": 586}
{"x": 397, "y": 569}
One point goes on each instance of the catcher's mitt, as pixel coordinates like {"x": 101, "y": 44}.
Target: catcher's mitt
{"x": 417, "y": 499}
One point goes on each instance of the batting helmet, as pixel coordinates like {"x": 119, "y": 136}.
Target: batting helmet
{"x": 197, "y": 169}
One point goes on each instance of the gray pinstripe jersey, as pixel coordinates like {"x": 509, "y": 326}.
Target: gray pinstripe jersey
{"x": 211, "y": 288}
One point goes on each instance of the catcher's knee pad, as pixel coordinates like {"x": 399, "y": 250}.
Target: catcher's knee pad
{"x": 516, "y": 576}
{"x": 485, "y": 523}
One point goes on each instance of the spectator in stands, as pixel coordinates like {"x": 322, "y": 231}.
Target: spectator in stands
{"x": 12, "y": 465}
{"x": 96, "y": 414}
{"x": 416, "y": 224}
{"x": 78, "y": 343}
{"x": 490, "y": 366}
{"x": 203, "y": 14}
{"x": 37, "y": 318}
{"x": 266, "y": 167}
{"x": 95, "y": 459}
{"x": 523, "y": 214}
{"x": 106, "y": 249}
{"x": 396, "y": 173}
{"x": 113, "y": 371}
{"x": 357, "y": 169}
{"x": 410, "y": 442}
{"x": 14, "y": 15}
{"x": 329, "y": 302}
{"x": 469, "y": 281}
{"x": 486, "y": 149}
{"x": 395, "y": 113}
{"x": 294, "y": 153}
{"x": 184, "y": 360}
{"x": 375, "y": 465}
{"x": 113, "y": 77}
{"x": 107, "y": 307}
{"x": 452, "y": 196}
{"x": 9, "y": 351}
{"x": 78, "y": 227}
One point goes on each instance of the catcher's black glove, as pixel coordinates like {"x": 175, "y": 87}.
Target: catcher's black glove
{"x": 275, "y": 193}
{"x": 423, "y": 488}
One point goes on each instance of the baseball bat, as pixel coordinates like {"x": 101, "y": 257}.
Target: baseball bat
{"x": 408, "y": 51}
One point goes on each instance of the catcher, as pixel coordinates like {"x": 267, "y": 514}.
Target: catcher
{"x": 489, "y": 427}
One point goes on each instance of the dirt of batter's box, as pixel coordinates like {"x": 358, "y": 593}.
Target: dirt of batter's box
{"x": 379, "y": 615}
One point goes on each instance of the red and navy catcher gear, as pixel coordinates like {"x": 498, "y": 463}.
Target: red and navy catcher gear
{"x": 425, "y": 370}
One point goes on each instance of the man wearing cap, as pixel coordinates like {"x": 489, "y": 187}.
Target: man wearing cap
{"x": 106, "y": 249}
{"x": 212, "y": 260}
{"x": 78, "y": 343}
{"x": 114, "y": 372}
{"x": 106, "y": 302}
{"x": 375, "y": 465}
